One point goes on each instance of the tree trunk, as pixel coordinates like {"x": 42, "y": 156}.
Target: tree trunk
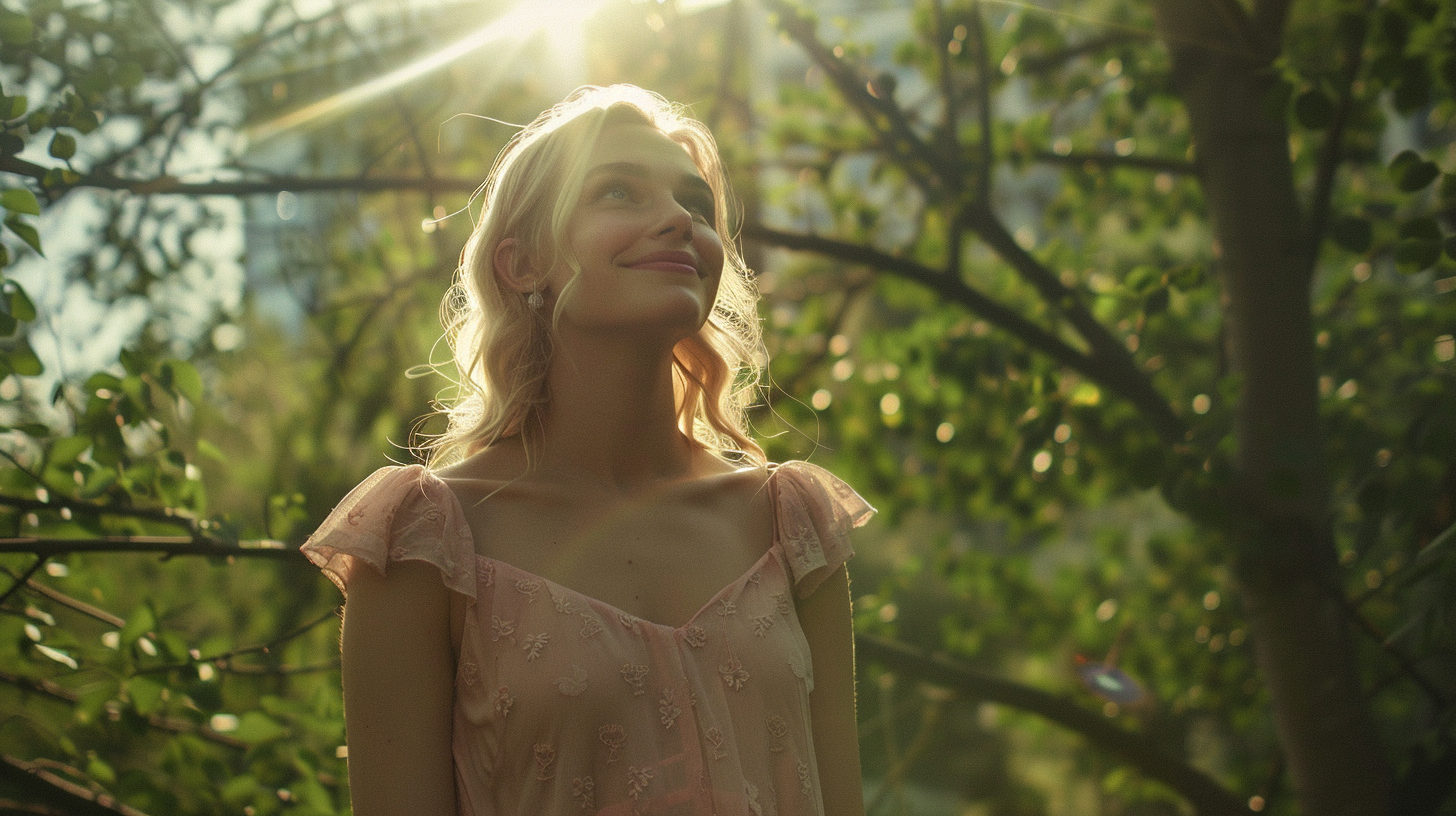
{"x": 1283, "y": 543}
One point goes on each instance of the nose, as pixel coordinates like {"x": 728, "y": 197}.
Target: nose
{"x": 677, "y": 219}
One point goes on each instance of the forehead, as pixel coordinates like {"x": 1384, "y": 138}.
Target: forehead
{"x": 641, "y": 144}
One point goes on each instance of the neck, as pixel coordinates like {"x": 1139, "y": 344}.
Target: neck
{"x": 611, "y": 419}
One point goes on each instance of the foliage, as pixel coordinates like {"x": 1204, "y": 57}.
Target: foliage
{"x": 1004, "y": 322}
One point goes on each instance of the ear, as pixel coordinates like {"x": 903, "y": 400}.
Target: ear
{"x": 512, "y": 269}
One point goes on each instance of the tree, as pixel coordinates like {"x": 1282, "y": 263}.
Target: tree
{"x": 1005, "y": 311}
{"x": 1225, "y": 95}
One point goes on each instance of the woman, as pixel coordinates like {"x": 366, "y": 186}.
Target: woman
{"x": 600, "y": 598}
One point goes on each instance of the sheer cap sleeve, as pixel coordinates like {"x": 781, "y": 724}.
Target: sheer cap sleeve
{"x": 815, "y": 512}
{"x": 397, "y": 514}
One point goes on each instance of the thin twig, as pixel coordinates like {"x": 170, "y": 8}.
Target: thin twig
{"x": 1207, "y": 796}
{"x": 24, "y": 577}
{"x": 168, "y": 545}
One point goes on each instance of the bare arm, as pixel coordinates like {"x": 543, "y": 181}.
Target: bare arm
{"x": 825, "y": 617}
{"x": 398, "y": 668}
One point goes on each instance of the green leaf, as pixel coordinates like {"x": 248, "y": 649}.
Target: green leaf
{"x": 8, "y": 324}
{"x": 1423, "y": 227}
{"x": 1352, "y": 234}
{"x": 129, "y": 75}
{"x": 26, "y": 232}
{"x": 145, "y": 693}
{"x": 21, "y": 306}
{"x": 64, "y": 451}
{"x": 1416, "y": 254}
{"x": 20, "y": 200}
{"x": 255, "y": 727}
{"x": 98, "y": 770}
{"x": 15, "y": 29}
{"x": 132, "y": 361}
{"x": 102, "y": 379}
{"x": 24, "y": 361}
{"x": 63, "y": 146}
{"x": 13, "y": 107}
{"x": 1450, "y": 247}
{"x": 184, "y": 379}
{"x": 211, "y": 451}
{"x": 142, "y": 620}
{"x": 1411, "y": 172}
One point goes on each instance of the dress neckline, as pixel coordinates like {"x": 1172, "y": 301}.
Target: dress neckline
{"x": 727, "y": 589}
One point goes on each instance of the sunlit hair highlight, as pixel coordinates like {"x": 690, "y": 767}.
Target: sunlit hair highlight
{"x": 502, "y": 348}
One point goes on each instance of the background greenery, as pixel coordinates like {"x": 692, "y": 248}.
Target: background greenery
{"x": 1010, "y": 295}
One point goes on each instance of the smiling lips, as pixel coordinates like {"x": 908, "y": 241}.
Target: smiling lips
{"x": 667, "y": 262}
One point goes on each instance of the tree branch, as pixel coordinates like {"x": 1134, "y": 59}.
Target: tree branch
{"x": 986, "y": 149}
{"x": 1331, "y": 152}
{"x": 49, "y": 788}
{"x": 67, "y": 601}
{"x": 953, "y": 290}
{"x": 169, "y": 515}
{"x": 1205, "y": 794}
{"x": 1103, "y": 160}
{"x": 169, "y": 185}
{"x": 167, "y": 545}
{"x": 1034, "y": 64}
{"x": 883, "y": 116}
{"x": 1113, "y": 365}
{"x": 59, "y": 693}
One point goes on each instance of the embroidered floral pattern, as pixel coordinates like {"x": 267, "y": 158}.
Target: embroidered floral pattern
{"x": 584, "y": 791}
{"x": 612, "y": 736}
{"x": 563, "y": 604}
{"x": 761, "y": 624}
{"x": 627, "y": 621}
{"x": 726, "y": 607}
{"x": 733, "y": 674}
{"x": 355, "y": 513}
{"x": 469, "y": 672}
{"x": 533, "y": 644}
{"x": 528, "y": 587}
{"x": 502, "y": 629}
{"x": 781, "y": 602}
{"x": 398, "y": 553}
{"x": 715, "y": 739}
{"x": 545, "y": 762}
{"x": 590, "y": 625}
{"x": 696, "y": 636}
{"x": 485, "y": 573}
{"x": 668, "y": 708}
{"x": 756, "y": 577}
{"x": 573, "y": 684}
{"x": 777, "y": 730}
{"x": 637, "y": 782}
{"x": 503, "y": 702}
{"x": 804, "y": 786}
{"x": 633, "y": 674}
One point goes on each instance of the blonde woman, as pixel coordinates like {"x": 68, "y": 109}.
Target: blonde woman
{"x": 599, "y": 597}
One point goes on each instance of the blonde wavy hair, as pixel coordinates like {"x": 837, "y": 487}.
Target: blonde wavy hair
{"x": 502, "y": 348}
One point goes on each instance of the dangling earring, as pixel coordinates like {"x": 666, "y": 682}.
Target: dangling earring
{"x": 534, "y": 300}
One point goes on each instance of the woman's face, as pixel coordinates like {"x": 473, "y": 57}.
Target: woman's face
{"x": 643, "y": 233}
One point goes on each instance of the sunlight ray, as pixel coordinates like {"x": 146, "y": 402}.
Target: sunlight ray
{"x": 522, "y": 21}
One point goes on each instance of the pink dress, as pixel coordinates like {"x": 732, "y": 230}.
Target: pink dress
{"x": 565, "y": 704}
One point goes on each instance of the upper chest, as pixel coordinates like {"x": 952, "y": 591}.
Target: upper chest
{"x": 659, "y": 555}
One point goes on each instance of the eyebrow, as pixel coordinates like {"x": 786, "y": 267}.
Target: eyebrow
{"x": 638, "y": 170}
